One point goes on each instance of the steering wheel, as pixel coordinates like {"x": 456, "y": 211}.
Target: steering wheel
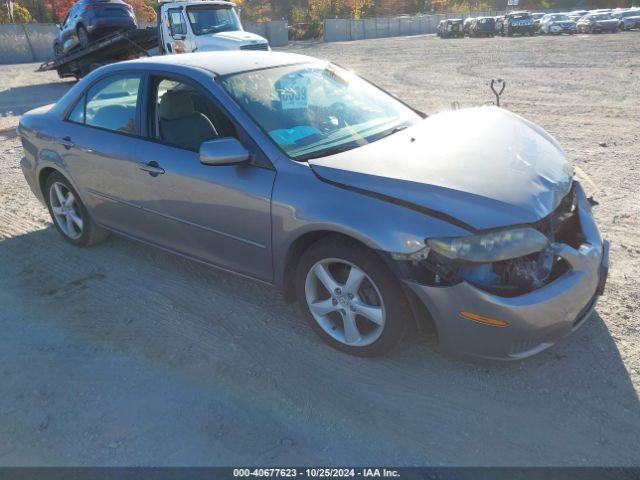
{"x": 334, "y": 117}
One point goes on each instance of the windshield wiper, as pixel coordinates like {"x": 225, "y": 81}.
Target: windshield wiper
{"x": 397, "y": 129}
{"x": 328, "y": 152}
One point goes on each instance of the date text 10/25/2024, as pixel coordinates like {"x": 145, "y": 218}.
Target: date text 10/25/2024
{"x": 316, "y": 473}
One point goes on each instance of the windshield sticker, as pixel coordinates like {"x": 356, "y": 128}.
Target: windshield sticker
{"x": 334, "y": 77}
{"x": 293, "y": 92}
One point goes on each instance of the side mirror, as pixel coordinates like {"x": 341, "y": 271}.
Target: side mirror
{"x": 223, "y": 151}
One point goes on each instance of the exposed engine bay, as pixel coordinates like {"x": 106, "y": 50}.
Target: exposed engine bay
{"x": 515, "y": 276}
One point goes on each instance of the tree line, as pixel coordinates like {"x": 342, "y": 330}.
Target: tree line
{"x": 305, "y": 15}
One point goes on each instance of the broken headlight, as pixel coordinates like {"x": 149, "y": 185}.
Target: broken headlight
{"x": 492, "y": 246}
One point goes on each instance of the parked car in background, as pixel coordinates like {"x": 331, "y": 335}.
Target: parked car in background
{"x": 627, "y": 19}
{"x": 371, "y": 214}
{"x": 598, "y": 23}
{"x": 518, "y": 23}
{"x": 577, "y": 14}
{"x": 536, "y": 20}
{"x": 450, "y": 28}
{"x": 556, "y": 24}
{"x": 466, "y": 25}
{"x": 89, "y": 20}
{"x": 482, "y": 27}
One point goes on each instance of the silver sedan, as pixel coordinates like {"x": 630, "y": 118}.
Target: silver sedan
{"x": 377, "y": 218}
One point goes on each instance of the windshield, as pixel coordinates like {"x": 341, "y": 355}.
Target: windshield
{"x": 629, "y": 14}
{"x": 601, "y": 16}
{"x": 318, "y": 109}
{"x": 207, "y": 19}
{"x": 559, "y": 18}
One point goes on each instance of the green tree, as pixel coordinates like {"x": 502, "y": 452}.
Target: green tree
{"x": 255, "y": 10}
{"x": 20, "y": 14}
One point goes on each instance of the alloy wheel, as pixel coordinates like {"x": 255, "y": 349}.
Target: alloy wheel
{"x": 65, "y": 211}
{"x": 345, "y": 302}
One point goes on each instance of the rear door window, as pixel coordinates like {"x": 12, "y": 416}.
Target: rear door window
{"x": 110, "y": 104}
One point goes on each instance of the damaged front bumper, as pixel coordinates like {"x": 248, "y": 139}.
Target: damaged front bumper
{"x": 531, "y": 322}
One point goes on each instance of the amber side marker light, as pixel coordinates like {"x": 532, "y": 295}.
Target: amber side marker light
{"x": 482, "y": 319}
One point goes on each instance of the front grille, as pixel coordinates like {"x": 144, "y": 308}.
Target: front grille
{"x": 255, "y": 46}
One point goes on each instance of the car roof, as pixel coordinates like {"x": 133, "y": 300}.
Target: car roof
{"x": 226, "y": 62}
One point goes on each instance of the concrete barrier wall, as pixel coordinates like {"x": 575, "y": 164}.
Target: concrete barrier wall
{"x": 33, "y": 42}
{"x": 277, "y": 32}
{"x": 22, "y": 43}
{"x": 341, "y": 29}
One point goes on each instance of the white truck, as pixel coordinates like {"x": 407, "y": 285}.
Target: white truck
{"x": 203, "y": 25}
{"x": 182, "y": 27}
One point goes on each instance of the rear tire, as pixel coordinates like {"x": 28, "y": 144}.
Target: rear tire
{"x": 358, "y": 305}
{"x": 83, "y": 37}
{"x": 70, "y": 216}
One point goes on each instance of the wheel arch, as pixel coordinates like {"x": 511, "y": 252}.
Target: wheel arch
{"x": 422, "y": 318}
{"x": 295, "y": 251}
{"x": 43, "y": 175}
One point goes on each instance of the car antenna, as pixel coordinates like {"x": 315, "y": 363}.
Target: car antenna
{"x": 501, "y": 84}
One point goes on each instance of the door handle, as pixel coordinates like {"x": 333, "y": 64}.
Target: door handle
{"x": 66, "y": 142}
{"x": 152, "y": 168}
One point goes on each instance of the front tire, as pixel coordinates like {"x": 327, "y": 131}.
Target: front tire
{"x": 69, "y": 215}
{"x": 350, "y": 298}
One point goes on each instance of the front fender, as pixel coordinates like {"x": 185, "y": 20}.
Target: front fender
{"x": 303, "y": 204}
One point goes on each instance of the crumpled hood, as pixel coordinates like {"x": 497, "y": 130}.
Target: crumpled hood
{"x": 485, "y": 167}
{"x": 227, "y": 40}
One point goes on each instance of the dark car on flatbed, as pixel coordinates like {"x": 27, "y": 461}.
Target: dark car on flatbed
{"x": 90, "y": 20}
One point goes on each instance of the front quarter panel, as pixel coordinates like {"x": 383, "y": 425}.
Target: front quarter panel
{"x": 302, "y": 204}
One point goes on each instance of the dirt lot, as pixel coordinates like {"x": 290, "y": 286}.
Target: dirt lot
{"x": 125, "y": 355}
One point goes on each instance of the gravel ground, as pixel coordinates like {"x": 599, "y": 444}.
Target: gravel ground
{"x": 125, "y": 355}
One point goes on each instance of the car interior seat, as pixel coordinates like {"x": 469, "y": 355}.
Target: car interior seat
{"x": 180, "y": 124}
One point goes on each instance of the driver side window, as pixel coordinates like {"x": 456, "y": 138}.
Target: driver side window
{"x": 176, "y": 22}
{"x": 185, "y": 118}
